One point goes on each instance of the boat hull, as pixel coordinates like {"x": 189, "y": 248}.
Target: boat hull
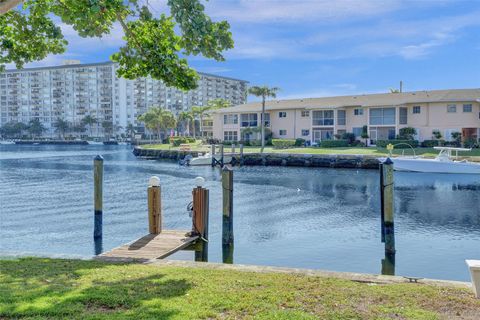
{"x": 207, "y": 161}
{"x": 434, "y": 166}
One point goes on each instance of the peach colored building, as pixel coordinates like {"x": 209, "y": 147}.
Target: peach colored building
{"x": 317, "y": 119}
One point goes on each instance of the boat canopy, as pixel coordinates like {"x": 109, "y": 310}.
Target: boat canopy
{"x": 451, "y": 149}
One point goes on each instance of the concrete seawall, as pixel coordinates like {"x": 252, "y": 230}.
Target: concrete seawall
{"x": 276, "y": 159}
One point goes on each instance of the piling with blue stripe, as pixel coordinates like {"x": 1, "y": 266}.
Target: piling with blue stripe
{"x": 98, "y": 196}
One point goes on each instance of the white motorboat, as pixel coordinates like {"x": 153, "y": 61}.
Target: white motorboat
{"x": 206, "y": 159}
{"x": 445, "y": 162}
{"x": 6, "y": 142}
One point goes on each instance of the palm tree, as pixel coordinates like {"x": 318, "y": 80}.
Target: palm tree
{"x": 219, "y": 103}
{"x": 393, "y": 90}
{"x": 107, "y": 128}
{"x": 130, "y": 130}
{"x": 158, "y": 119}
{"x": 263, "y": 92}
{"x": 200, "y": 112}
{"x": 186, "y": 118}
{"x": 89, "y": 121}
{"x": 61, "y": 126}
{"x": 35, "y": 127}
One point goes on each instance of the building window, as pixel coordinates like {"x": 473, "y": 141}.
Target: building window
{"x": 323, "y": 118}
{"x": 467, "y": 108}
{"x": 358, "y": 112}
{"x": 249, "y": 120}
{"x": 451, "y": 108}
{"x": 403, "y": 115}
{"x": 305, "y": 114}
{"x": 230, "y": 119}
{"x": 230, "y": 136}
{"x": 379, "y": 116}
{"x": 305, "y": 132}
{"x": 357, "y": 131}
{"x": 267, "y": 119}
{"x": 341, "y": 117}
{"x": 416, "y": 109}
{"x": 282, "y": 132}
{"x": 282, "y": 114}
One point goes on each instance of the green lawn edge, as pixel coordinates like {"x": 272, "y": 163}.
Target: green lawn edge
{"x": 39, "y": 288}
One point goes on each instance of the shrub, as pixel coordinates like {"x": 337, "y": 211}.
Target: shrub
{"x": 212, "y": 141}
{"x": 176, "y": 141}
{"x": 255, "y": 143}
{"x": 350, "y": 137}
{"x": 384, "y": 143}
{"x": 437, "y": 134}
{"x": 299, "y": 142}
{"x": 334, "y": 143}
{"x": 407, "y": 133}
{"x": 471, "y": 143}
{"x": 283, "y": 143}
{"x": 432, "y": 143}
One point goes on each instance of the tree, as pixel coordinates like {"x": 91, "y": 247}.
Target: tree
{"x": 154, "y": 46}
{"x": 457, "y": 138}
{"x": 200, "y": 111}
{"x": 219, "y": 103}
{"x": 79, "y": 127}
{"x": 107, "y": 128}
{"x": 437, "y": 134}
{"x": 158, "y": 119}
{"x": 393, "y": 90}
{"x": 35, "y": 127}
{"x": 364, "y": 135}
{"x": 89, "y": 121}
{"x": 407, "y": 133}
{"x": 263, "y": 92}
{"x": 61, "y": 126}
{"x": 186, "y": 118}
{"x": 13, "y": 129}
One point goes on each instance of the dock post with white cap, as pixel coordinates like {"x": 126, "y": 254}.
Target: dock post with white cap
{"x": 154, "y": 206}
{"x": 98, "y": 196}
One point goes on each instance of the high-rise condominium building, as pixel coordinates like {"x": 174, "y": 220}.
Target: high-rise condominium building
{"x": 73, "y": 91}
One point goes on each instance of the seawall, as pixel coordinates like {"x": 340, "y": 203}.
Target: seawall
{"x": 275, "y": 159}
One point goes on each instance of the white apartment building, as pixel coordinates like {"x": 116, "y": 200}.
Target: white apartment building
{"x": 73, "y": 91}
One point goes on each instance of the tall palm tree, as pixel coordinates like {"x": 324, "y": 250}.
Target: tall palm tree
{"x": 219, "y": 103}
{"x": 264, "y": 92}
{"x": 89, "y": 121}
{"x": 186, "y": 118}
{"x": 61, "y": 126}
{"x": 158, "y": 119}
{"x": 200, "y": 112}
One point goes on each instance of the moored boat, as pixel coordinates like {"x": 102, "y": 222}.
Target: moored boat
{"x": 206, "y": 159}
{"x": 444, "y": 162}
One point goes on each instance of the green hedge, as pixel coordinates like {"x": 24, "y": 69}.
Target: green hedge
{"x": 176, "y": 141}
{"x": 432, "y": 143}
{"x": 283, "y": 143}
{"x": 334, "y": 143}
{"x": 384, "y": 143}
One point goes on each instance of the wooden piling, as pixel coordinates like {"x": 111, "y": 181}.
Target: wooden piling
{"x": 387, "y": 189}
{"x": 212, "y": 152}
{"x": 98, "y": 196}
{"x": 221, "y": 156}
{"x": 382, "y": 213}
{"x": 154, "y": 206}
{"x": 241, "y": 154}
{"x": 227, "y": 186}
{"x": 200, "y": 211}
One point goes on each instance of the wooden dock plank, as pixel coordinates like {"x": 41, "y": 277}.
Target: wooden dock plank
{"x": 151, "y": 246}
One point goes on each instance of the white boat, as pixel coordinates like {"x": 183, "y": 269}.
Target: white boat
{"x": 206, "y": 160}
{"x": 95, "y": 142}
{"x": 6, "y": 142}
{"x": 445, "y": 162}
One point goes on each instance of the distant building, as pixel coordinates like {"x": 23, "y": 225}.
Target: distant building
{"x": 73, "y": 91}
{"x": 318, "y": 119}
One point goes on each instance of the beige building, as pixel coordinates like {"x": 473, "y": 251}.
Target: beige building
{"x": 317, "y": 119}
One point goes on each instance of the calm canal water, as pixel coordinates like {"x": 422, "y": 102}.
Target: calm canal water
{"x": 294, "y": 217}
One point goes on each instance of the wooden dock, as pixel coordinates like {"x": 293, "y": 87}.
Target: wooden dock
{"x": 151, "y": 246}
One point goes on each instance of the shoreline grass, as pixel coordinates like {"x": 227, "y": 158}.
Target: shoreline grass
{"x": 38, "y": 288}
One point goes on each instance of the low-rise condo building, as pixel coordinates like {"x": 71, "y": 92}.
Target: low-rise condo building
{"x": 317, "y": 119}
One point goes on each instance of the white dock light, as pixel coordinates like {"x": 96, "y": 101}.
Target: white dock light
{"x": 199, "y": 182}
{"x": 154, "y": 181}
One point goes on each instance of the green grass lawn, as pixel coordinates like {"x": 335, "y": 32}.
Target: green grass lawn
{"x": 38, "y": 288}
{"x": 427, "y": 152}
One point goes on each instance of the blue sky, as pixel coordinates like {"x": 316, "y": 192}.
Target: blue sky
{"x": 320, "y": 48}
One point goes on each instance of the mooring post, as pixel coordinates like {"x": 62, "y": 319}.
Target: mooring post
{"x": 388, "y": 264}
{"x": 227, "y": 186}
{"x": 382, "y": 212}
{"x": 98, "y": 196}
{"x": 200, "y": 208}
{"x": 221, "y": 156}
{"x": 154, "y": 195}
{"x": 388, "y": 205}
{"x": 212, "y": 152}
{"x": 241, "y": 154}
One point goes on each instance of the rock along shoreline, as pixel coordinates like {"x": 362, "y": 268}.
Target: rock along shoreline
{"x": 275, "y": 159}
